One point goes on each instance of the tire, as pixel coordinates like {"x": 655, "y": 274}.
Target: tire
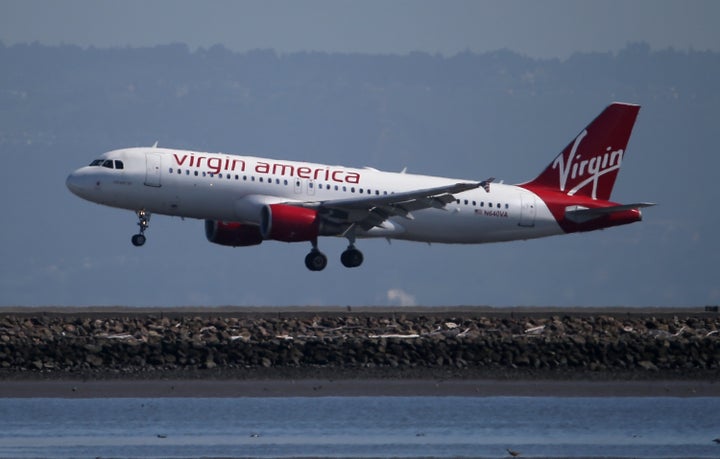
{"x": 315, "y": 261}
{"x": 351, "y": 258}
{"x": 138, "y": 240}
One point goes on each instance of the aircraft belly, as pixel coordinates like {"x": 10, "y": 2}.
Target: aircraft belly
{"x": 180, "y": 201}
{"x": 456, "y": 226}
{"x": 459, "y": 225}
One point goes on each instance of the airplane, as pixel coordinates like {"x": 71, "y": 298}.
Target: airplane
{"x": 247, "y": 200}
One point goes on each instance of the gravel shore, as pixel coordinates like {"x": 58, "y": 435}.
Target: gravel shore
{"x": 344, "y": 344}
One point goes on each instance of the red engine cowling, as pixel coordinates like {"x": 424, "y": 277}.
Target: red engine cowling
{"x": 289, "y": 223}
{"x": 233, "y": 234}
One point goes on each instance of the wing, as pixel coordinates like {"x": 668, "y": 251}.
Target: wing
{"x": 368, "y": 212}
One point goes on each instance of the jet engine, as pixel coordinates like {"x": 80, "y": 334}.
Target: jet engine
{"x": 289, "y": 223}
{"x": 233, "y": 234}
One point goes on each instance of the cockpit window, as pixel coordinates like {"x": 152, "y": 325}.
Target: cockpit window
{"x": 109, "y": 163}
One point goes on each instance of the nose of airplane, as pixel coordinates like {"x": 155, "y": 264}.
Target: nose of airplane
{"x": 73, "y": 183}
{"x": 80, "y": 183}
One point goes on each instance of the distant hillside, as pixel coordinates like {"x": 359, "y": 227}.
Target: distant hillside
{"x": 312, "y": 104}
{"x": 469, "y": 116}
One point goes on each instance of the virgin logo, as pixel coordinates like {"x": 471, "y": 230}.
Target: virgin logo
{"x": 583, "y": 172}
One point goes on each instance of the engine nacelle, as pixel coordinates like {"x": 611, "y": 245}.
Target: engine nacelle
{"x": 289, "y": 223}
{"x": 233, "y": 234}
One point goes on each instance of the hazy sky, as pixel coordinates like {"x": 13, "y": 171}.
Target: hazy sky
{"x": 554, "y": 28}
{"x": 669, "y": 259}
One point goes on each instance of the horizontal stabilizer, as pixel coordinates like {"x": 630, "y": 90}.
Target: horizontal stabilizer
{"x": 580, "y": 214}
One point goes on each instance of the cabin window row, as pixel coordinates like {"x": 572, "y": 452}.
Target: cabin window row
{"x": 490, "y": 205}
{"x": 277, "y": 181}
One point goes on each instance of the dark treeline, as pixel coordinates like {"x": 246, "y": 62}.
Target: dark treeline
{"x": 183, "y": 96}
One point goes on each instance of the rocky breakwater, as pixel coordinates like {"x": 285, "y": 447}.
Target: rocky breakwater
{"x": 383, "y": 344}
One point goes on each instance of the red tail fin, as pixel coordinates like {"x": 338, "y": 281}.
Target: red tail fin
{"x": 589, "y": 164}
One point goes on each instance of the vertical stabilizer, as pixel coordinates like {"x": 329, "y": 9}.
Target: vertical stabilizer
{"x": 589, "y": 165}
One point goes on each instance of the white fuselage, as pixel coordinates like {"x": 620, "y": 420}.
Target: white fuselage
{"x": 226, "y": 187}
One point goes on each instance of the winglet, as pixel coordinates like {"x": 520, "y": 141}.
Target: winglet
{"x": 486, "y": 184}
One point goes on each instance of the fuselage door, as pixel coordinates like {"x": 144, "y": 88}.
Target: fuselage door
{"x": 153, "y": 162}
{"x": 527, "y": 210}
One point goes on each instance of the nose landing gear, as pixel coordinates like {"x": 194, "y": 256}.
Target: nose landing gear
{"x": 144, "y": 222}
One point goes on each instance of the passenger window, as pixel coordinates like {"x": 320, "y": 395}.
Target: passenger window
{"x": 119, "y": 164}
{"x": 108, "y": 163}
{"x": 196, "y": 173}
{"x": 498, "y": 205}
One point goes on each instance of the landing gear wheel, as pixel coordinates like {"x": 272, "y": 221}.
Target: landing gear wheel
{"x": 138, "y": 240}
{"x": 351, "y": 258}
{"x": 143, "y": 222}
{"x": 315, "y": 260}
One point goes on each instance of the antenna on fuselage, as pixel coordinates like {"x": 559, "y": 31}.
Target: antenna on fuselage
{"x": 155, "y": 144}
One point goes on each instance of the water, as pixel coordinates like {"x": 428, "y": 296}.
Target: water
{"x": 360, "y": 426}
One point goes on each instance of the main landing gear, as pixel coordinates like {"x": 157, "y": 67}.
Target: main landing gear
{"x": 352, "y": 257}
{"x": 144, "y": 221}
{"x": 316, "y": 260}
